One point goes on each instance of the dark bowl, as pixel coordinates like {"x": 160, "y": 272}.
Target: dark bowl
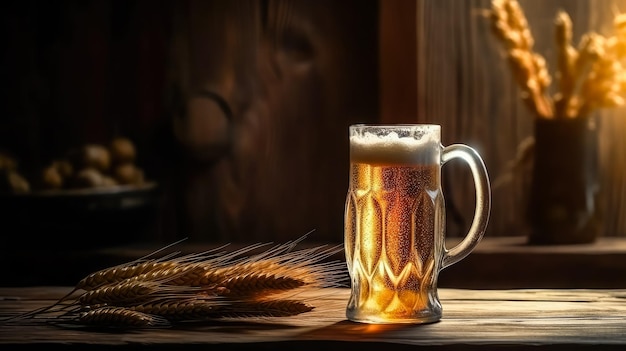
{"x": 81, "y": 218}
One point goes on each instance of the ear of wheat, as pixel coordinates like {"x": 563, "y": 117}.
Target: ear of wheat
{"x": 590, "y": 76}
{"x": 154, "y": 292}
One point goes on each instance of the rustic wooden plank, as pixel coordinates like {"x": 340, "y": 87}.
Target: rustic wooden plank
{"x": 476, "y": 318}
{"x": 397, "y": 56}
{"x": 518, "y": 245}
{"x": 508, "y": 262}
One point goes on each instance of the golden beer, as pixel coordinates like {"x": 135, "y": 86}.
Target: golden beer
{"x": 395, "y": 222}
{"x": 394, "y": 214}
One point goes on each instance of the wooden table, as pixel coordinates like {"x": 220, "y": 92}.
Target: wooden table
{"x": 552, "y": 319}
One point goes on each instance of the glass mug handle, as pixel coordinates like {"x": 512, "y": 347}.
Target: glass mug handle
{"x": 483, "y": 202}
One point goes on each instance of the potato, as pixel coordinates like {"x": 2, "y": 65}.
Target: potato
{"x": 122, "y": 150}
{"x": 91, "y": 156}
{"x": 11, "y": 182}
{"x": 128, "y": 173}
{"x": 51, "y": 178}
{"x": 88, "y": 178}
{"x": 64, "y": 167}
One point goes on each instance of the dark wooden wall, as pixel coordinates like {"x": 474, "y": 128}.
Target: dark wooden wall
{"x": 294, "y": 74}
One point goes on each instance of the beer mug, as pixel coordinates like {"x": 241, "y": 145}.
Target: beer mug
{"x": 395, "y": 221}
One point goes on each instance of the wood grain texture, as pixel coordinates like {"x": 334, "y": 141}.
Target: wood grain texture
{"x": 296, "y": 74}
{"x": 473, "y": 319}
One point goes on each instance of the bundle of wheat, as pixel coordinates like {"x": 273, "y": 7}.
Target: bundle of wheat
{"x": 590, "y": 75}
{"x": 161, "y": 291}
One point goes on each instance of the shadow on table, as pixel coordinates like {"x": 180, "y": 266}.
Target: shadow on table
{"x": 353, "y": 331}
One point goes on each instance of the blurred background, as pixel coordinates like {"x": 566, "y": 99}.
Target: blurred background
{"x": 238, "y": 111}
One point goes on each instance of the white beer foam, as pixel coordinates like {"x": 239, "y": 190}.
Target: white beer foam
{"x": 392, "y": 149}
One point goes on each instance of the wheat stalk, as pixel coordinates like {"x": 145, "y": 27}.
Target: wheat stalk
{"x": 510, "y": 26}
{"x": 120, "y": 317}
{"x": 130, "y": 292}
{"x": 567, "y": 57}
{"x": 270, "y": 308}
{"x": 160, "y": 268}
{"x": 182, "y": 309}
{"x": 258, "y": 283}
{"x": 117, "y": 274}
{"x": 159, "y": 291}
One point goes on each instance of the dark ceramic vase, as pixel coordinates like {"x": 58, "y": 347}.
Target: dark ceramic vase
{"x": 563, "y": 205}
